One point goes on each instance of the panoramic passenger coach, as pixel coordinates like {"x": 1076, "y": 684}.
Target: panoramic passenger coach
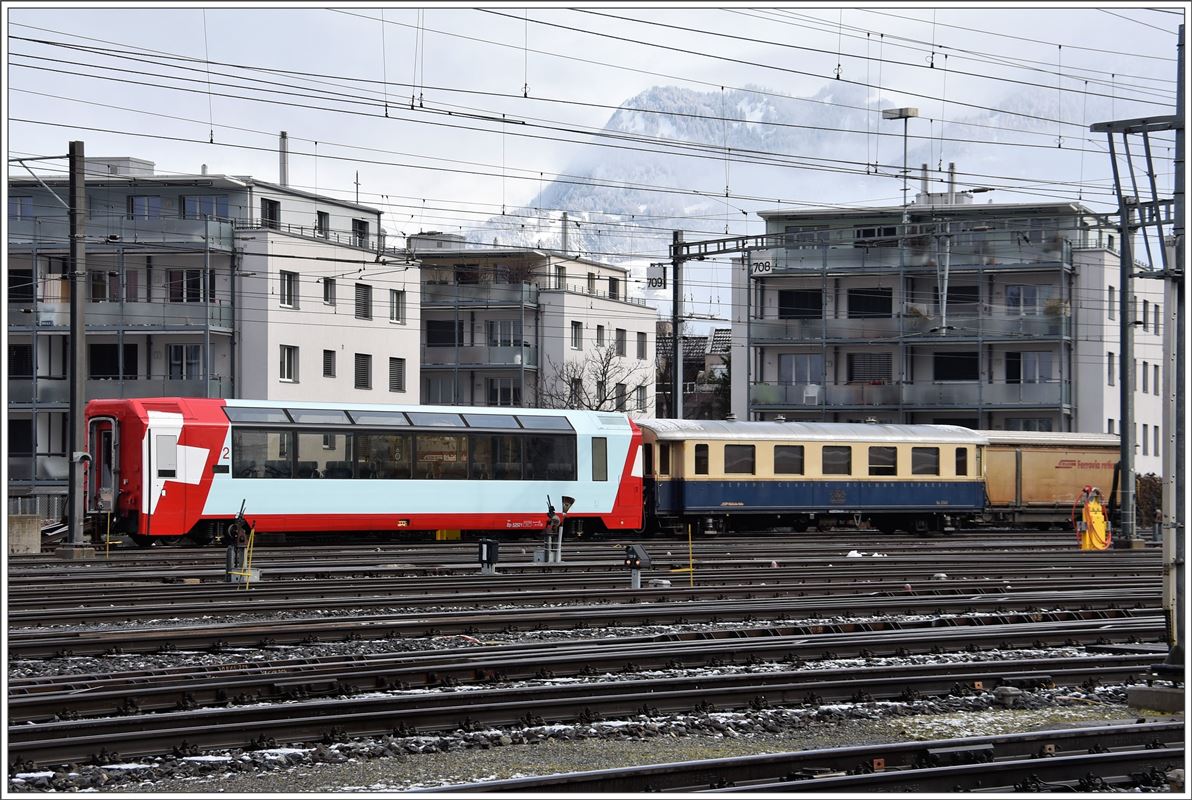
{"x": 171, "y": 467}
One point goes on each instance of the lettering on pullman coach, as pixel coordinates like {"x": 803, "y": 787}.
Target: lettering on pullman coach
{"x": 1073, "y": 463}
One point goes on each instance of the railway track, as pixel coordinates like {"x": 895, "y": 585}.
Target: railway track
{"x": 194, "y": 730}
{"x": 1127, "y": 756}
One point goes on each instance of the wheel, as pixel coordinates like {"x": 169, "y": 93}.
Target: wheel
{"x": 141, "y": 540}
{"x": 800, "y": 525}
{"x": 200, "y": 536}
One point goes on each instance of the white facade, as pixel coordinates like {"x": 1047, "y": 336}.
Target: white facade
{"x": 511, "y": 327}
{"x": 320, "y": 321}
{"x": 845, "y": 322}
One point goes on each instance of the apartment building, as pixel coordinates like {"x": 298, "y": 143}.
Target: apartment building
{"x": 198, "y": 285}
{"x": 986, "y": 315}
{"x": 527, "y": 327}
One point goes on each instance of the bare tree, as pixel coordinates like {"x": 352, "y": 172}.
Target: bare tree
{"x": 600, "y": 381}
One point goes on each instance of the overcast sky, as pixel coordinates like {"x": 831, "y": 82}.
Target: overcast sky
{"x": 482, "y": 61}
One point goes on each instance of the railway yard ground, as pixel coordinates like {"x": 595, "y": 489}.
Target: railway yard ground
{"x": 835, "y": 661}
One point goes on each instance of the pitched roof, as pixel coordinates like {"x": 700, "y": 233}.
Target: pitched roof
{"x": 694, "y": 347}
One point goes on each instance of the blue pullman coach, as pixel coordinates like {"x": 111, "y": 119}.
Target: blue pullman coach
{"x": 723, "y": 476}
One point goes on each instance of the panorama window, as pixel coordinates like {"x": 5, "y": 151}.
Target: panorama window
{"x": 383, "y": 455}
{"x": 496, "y": 457}
{"x": 318, "y": 416}
{"x": 440, "y": 456}
{"x": 433, "y": 419}
{"x": 261, "y": 454}
{"x": 324, "y": 455}
{"x": 549, "y": 458}
{"x": 545, "y": 423}
{"x": 241, "y": 414}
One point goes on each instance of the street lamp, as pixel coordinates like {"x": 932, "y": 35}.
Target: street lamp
{"x": 903, "y": 114}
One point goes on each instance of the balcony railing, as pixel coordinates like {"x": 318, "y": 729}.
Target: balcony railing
{"x": 56, "y": 391}
{"x": 916, "y": 324}
{"x": 114, "y": 315}
{"x": 491, "y": 294}
{"x": 117, "y": 229}
{"x": 29, "y": 468}
{"x": 480, "y": 356}
{"x": 929, "y": 395}
{"x": 982, "y": 255}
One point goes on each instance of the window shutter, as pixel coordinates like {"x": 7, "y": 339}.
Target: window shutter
{"x": 397, "y": 374}
{"x": 363, "y": 301}
{"x": 363, "y": 371}
{"x": 328, "y": 363}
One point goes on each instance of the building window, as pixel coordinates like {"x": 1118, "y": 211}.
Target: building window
{"x": 504, "y": 332}
{"x": 363, "y": 371}
{"x": 322, "y": 224}
{"x": 641, "y": 346}
{"x": 591, "y": 283}
{"x": 614, "y": 288}
{"x": 20, "y": 208}
{"x": 738, "y": 459}
{"x": 1109, "y": 425}
{"x": 183, "y": 361}
{"x": 800, "y": 368}
{"x": 328, "y": 363}
{"x": 397, "y": 305}
{"x": 1155, "y": 322}
{"x": 444, "y": 333}
{"x": 270, "y": 213}
{"x": 289, "y": 364}
{"x": 360, "y": 232}
{"x": 1110, "y": 372}
{"x": 601, "y": 394}
{"x": 560, "y": 276}
{"x": 1026, "y": 299}
{"x": 577, "y": 392}
{"x": 503, "y": 392}
{"x": 1146, "y": 315}
{"x": 1146, "y": 372}
{"x": 600, "y": 336}
{"x": 289, "y": 289}
{"x": 329, "y": 291}
{"x": 397, "y": 374}
{"x": 20, "y": 286}
{"x": 961, "y": 299}
{"x": 1112, "y": 303}
{"x": 363, "y": 301}
{"x": 20, "y": 437}
{"x": 801, "y": 304}
{"x": 184, "y": 285}
{"x": 144, "y": 206}
{"x": 104, "y": 286}
{"x": 1028, "y": 367}
{"x": 20, "y": 360}
{"x": 640, "y": 397}
{"x": 104, "y": 361}
{"x": 1155, "y": 385}
{"x": 867, "y": 367}
{"x": 870, "y": 303}
{"x": 577, "y": 335}
{"x": 198, "y": 206}
{"x": 1155, "y": 433}
{"x": 621, "y": 392}
{"x": 1040, "y": 424}
{"x": 619, "y": 339}
{"x": 876, "y": 236}
{"x": 806, "y": 237}
{"x": 1145, "y": 439}
{"x": 957, "y": 366}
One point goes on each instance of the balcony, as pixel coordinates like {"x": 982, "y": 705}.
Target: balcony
{"x": 56, "y": 391}
{"x": 775, "y": 331}
{"x": 989, "y": 323}
{"x": 775, "y": 396}
{"x": 484, "y": 294}
{"x": 480, "y": 357}
{"x": 55, "y": 231}
{"x": 978, "y": 256}
{"x": 129, "y": 316}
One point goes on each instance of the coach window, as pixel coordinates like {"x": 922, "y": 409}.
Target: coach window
{"x": 324, "y": 454}
{"x": 440, "y": 456}
{"x": 382, "y": 455}
{"x": 925, "y": 461}
{"x": 261, "y": 454}
{"x": 738, "y": 459}
{"x": 837, "y": 460}
{"x": 495, "y": 457}
{"x": 663, "y": 458}
{"x": 961, "y": 461}
{"x": 599, "y": 458}
{"x": 550, "y": 458}
{"x": 883, "y": 460}
{"x": 788, "y": 459}
{"x": 701, "y": 459}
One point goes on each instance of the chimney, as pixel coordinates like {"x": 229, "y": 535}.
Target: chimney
{"x": 283, "y": 153}
{"x": 564, "y": 245}
{"x": 204, "y": 169}
{"x": 923, "y": 180}
{"x": 951, "y": 182}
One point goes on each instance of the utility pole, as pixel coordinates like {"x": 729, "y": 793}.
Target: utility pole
{"x": 676, "y": 322}
{"x": 76, "y": 424}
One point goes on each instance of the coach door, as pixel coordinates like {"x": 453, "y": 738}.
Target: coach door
{"x": 104, "y": 472}
{"x": 167, "y": 496}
